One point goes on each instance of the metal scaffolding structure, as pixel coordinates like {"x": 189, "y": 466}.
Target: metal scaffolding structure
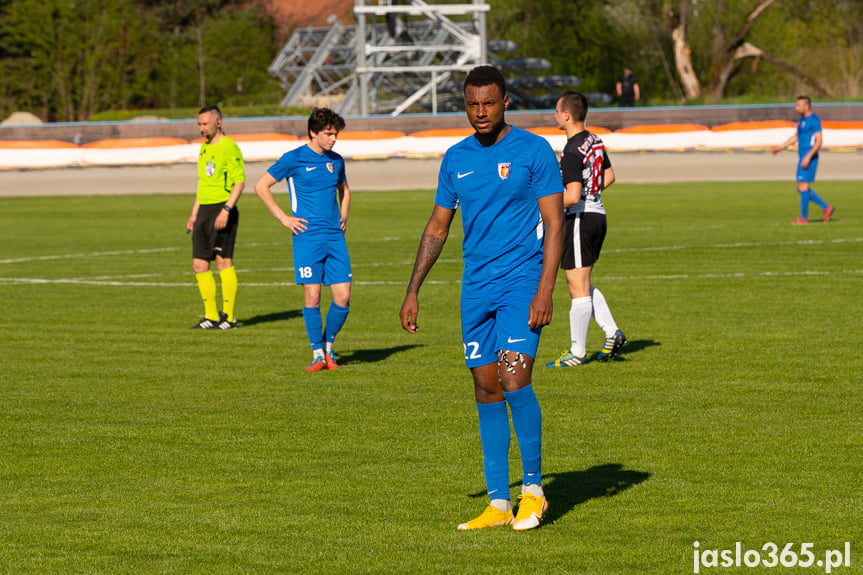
{"x": 398, "y": 57}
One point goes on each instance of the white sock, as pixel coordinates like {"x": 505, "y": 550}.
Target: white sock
{"x": 602, "y": 313}
{"x": 579, "y": 321}
{"x": 535, "y": 489}
{"x": 502, "y": 504}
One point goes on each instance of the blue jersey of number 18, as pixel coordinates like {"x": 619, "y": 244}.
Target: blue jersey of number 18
{"x": 313, "y": 181}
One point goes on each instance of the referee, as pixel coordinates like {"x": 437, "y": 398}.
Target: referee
{"x": 214, "y": 218}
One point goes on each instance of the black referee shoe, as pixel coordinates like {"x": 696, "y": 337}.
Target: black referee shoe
{"x": 206, "y": 324}
{"x": 224, "y": 323}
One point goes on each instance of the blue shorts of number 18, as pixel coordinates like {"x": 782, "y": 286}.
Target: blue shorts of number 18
{"x": 321, "y": 258}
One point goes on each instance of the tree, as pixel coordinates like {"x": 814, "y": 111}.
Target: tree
{"x": 577, "y": 40}
{"x": 239, "y": 46}
{"x": 65, "y": 48}
{"x": 727, "y": 50}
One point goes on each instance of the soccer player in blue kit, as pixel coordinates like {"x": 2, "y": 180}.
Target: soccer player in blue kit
{"x": 507, "y": 183}
{"x": 808, "y": 138}
{"x": 320, "y": 205}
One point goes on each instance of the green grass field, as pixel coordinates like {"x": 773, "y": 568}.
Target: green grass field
{"x": 131, "y": 444}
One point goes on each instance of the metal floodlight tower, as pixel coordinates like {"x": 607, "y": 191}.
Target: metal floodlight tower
{"x": 316, "y": 62}
{"x": 421, "y": 50}
{"x": 401, "y": 53}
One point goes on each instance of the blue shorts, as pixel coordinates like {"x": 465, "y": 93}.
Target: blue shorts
{"x": 807, "y": 175}
{"x": 490, "y": 323}
{"x": 321, "y": 259}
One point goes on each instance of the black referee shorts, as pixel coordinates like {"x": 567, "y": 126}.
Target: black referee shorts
{"x": 207, "y": 243}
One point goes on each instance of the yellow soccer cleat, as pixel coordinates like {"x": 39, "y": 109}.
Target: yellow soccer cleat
{"x": 530, "y": 511}
{"x": 491, "y": 517}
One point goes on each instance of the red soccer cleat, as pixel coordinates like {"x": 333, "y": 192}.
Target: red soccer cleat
{"x": 330, "y": 358}
{"x": 317, "y": 365}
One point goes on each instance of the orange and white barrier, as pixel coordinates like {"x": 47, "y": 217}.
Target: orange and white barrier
{"x": 381, "y": 144}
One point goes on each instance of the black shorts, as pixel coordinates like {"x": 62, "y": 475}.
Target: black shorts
{"x": 207, "y": 243}
{"x": 583, "y": 235}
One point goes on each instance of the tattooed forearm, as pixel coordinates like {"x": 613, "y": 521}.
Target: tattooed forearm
{"x": 429, "y": 250}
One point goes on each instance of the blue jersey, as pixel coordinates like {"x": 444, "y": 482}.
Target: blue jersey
{"x": 807, "y": 127}
{"x": 313, "y": 181}
{"x": 497, "y": 188}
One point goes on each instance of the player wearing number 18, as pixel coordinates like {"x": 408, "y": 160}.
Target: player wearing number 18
{"x": 320, "y": 204}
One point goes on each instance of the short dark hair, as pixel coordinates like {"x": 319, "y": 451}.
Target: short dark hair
{"x": 323, "y": 118}
{"x": 215, "y": 109}
{"x": 485, "y": 75}
{"x": 807, "y": 98}
{"x": 575, "y": 103}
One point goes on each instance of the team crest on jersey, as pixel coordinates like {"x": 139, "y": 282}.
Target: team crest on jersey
{"x": 330, "y": 167}
{"x": 210, "y": 169}
{"x": 503, "y": 170}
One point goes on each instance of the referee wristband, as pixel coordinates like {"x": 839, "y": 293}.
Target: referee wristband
{"x": 227, "y": 208}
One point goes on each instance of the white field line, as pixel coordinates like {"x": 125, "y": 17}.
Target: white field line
{"x": 188, "y": 284}
{"x": 131, "y": 281}
{"x": 607, "y": 250}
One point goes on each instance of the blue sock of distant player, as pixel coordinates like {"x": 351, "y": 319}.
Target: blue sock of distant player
{"x": 314, "y": 329}
{"x": 816, "y": 199}
{"x": 336, "y": 317}
{"x": 804, "y": 203}
{"x": 494, "y": 436}
{"x": 527, "y": 422}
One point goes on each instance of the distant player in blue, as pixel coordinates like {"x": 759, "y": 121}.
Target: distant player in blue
{"x": 808, "y": 138}
{"x": 507, "y": 183}
{"x": 320, "y": 205}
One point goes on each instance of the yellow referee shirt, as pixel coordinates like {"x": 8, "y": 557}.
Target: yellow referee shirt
{"x": 220, "y": 167}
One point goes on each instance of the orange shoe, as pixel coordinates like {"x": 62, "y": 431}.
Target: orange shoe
{"x": 828, "y": 213}
{"x": 798, "y": 221}
{"x": 330, "y": 358}
{"x": 317, "y": 365}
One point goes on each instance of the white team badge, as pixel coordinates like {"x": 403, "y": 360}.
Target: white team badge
{"x": 210, "y": 169}
{"x": 503, "y": 170}
{"x": 330, "y": 167}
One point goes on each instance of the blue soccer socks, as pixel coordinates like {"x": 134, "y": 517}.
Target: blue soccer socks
{"x": 314, "y": 327}
{"x": 817, "y": 200}
{"x": 804, "y": 204}
{"x": 527, "y": 422}
{"x": 336, "y": 318}
{"x": 494, "y": 435}
{"x": 807, "y": 196}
